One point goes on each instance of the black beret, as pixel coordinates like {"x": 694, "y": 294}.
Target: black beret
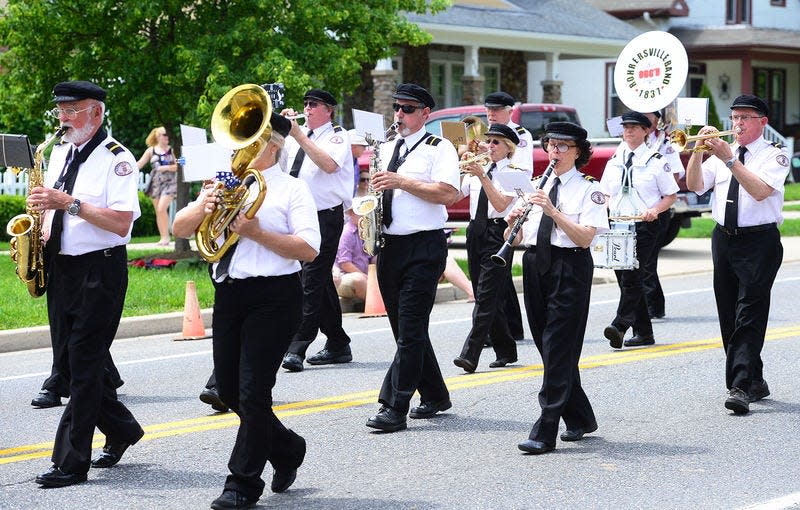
{"x": 564, "y": 131}
{"x": 280, "y": 124}
{"x": 77, "y": 90}
{"x": 413, "y": 92}
{"x": 636, "y": 118}
{"x": 504, "y": 131}
{"x": 751, "y": 101}
{"x": 498, "y": 99}
{"x": 320, "y": 95}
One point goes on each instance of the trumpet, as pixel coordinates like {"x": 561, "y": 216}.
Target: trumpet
{"x": 482, "y": 159}
{"x": 680, "y": 139}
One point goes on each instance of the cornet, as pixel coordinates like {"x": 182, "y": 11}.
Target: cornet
{"x": 482, "y": 159}
{"x": 680, "y": 139}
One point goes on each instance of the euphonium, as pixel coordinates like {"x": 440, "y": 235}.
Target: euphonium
{"x": 240, "y": 122}
{"x": 370, "y": 206}
{"x": 25, "y": 229}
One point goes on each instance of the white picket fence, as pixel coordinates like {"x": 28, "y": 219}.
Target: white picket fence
{"x": 11, "y": 184}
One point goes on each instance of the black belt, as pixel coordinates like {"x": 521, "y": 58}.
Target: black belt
{"x": 494, "y": 221}
{"x": 338, "y": 208}
{"x": 556, "y": 249}
{"x": 746, "y": 230}
{"x": 108, "y": 252}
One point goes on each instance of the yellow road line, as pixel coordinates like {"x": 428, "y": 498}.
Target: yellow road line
{"x": 336, "y": 402}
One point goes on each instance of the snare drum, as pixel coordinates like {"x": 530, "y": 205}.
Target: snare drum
{"x": 616, "y": 249}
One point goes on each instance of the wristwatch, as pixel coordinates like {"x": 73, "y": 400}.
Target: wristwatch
{"x": 74, "y": 208}
{"x": 730, "y": 163}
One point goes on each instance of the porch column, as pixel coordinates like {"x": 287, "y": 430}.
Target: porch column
{"x": 551, "y": 85}
{"x": 384, "y": 82}
{"x": 472, "y": 81}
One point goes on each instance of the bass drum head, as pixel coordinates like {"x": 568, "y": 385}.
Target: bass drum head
{"x": 650, "y": 71}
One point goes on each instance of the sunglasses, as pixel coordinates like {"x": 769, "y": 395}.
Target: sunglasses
{"x": 494, "y": 141}
{"x": 310, "y": 104}
{"x": 364, "y": 179}
{"x": 407, "y": 108}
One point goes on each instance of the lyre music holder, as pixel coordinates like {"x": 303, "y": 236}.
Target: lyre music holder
{"x": 15, "y": 151}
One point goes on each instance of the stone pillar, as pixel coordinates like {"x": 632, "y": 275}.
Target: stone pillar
{"x": 384, "y": 83}
{"x": 551, "y": 91}
{"x": 473, "y": 89}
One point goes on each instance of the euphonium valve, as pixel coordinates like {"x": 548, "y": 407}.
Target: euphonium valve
{"x": 240, "y": 122}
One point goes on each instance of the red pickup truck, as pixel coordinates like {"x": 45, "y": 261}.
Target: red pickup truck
{"x": 534, "y": 117}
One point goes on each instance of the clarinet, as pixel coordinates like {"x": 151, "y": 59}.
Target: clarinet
{"x": 501, "y": 257}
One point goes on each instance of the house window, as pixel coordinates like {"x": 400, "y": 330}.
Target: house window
{"x": 770, "y": 85}
{"x": 738, "y": 11}
{"x": 491, "y": 77}
{"x": 614, "y": 106}
{"x": 778, "y": 3}
{"x": 447, "y": 87}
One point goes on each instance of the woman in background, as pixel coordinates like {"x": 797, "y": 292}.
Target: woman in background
{"x": 163, "y": 186}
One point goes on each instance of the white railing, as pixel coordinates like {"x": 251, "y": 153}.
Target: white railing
{"x": 11, "y": 184}
{"x": 769, "y": 134}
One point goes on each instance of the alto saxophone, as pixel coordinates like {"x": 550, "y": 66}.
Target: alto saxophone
{"x": 370, "y": 207}
{"x": 25, "y": 230}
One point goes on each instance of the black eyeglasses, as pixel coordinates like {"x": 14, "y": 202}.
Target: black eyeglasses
{"x": 407, "y": 108}
{"x": 559, "y": 147}
{"x": 310, "y": 104}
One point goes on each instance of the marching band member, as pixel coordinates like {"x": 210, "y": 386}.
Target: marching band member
{"x": 746, "y": 244}
{"x": 652, "y": 180}
{"x": 321, "y": 155}
{"x": 416, "y": 186}
{"x": 91, "y": 193}
{"x": 261, "y": 286}
{"x": 557, "y": 273}
{"x": 488, "y": 207}
{"x": 498, "y": 111}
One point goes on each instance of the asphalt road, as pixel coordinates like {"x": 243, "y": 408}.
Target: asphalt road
{"x": 665, "y": 439}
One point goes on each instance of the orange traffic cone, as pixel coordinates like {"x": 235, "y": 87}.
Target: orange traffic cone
{"x": 373, "y": 305}
{"x": 193, "y": 328}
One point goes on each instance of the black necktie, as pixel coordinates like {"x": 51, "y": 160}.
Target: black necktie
{"x": 625, "y": 173}
{"x": 394, "y": 164}
{"x": 732, "y": 204}
{"x": 66, "y": 182}
{"x": 482, "y": 212}
{"x": 225, "y": 263}
{"x": 298, "y": 158}
{"x": 543, "y": 235}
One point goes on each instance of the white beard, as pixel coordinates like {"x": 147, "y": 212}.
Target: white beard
{"x": 77, "y": 136}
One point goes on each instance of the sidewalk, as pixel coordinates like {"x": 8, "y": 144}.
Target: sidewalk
{"x": 681, "y": 257}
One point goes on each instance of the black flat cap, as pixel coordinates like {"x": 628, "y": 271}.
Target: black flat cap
{"x": 413, "y": 92}
{"x": 498, "y": 99}
{"x": 751, "y": 101}
{"x": 320, "y": 95}
{"x": 504, "y": 131}
{"x": 636, "y": 118}
{"x": 77, "y": 90}
{"x": 565, "y": 131}
{"x": 280, "y": 124}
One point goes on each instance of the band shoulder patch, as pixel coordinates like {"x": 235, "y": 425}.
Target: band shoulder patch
{"x": 587, "y": 177}
{"x": 337, "y": 128}
{"x": 536, "y": 178}
{"x": 778, "y": 145}
{"x": 656, "y": 155}
{"x": 512, "y": 166}
{"x": 433, "y": 140}
{"x": 115, "y": 147}
{"x": 521, "y": 130}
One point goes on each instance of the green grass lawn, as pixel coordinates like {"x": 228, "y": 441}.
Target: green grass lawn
{"x": 702, "y": 227}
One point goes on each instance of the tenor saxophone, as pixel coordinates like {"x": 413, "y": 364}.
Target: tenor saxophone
{"x": 25, "y": 230}
{"x": 370, "y": 207}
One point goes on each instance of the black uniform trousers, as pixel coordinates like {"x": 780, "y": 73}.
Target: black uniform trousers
{"x": 652, "y": 285}
{"x": 513, "y": 311}
{"x": 321, "y": 308}
{"x": 85, "y": 297}
{"x": 745, "y": 267}
{"x": 409, "y": 267}
{"x": 632, "y": 307}
{"x": 59, "y": 385}
{"x": 489, "y": 284}
{"x": 254, "y": 321}
{"x": 557, "y": 304}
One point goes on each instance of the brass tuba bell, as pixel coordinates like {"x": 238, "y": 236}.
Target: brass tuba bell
{"x": 240, "y": 122}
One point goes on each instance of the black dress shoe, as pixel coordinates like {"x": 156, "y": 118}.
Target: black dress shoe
{"x": 738, "y": 401}
{"x": 112, "y": 453}
{"x": 501, "y": 362}
{"x": 233, "y": 499}
{"x": 614, "y": 336}
{"x": 428, "y": 409}
{"x": 293, "y": 362}
{"x": 328, "y": 357}
{"x": 577, "y": 434}
{"x": 282, "y": 479}
{"x": 535, "y": 447}
{"x": 640, "y": 340}
{"x": 466, "y": 364}
{"x": 387, "y": 420}
{"x": 211, "y": 397}
{"x": 758, "y": 390}
{"x": 54, "y": 477}
{"x": 46, "y": 398}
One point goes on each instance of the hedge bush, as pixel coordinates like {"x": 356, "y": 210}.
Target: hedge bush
{"x": 11, "y": 205}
